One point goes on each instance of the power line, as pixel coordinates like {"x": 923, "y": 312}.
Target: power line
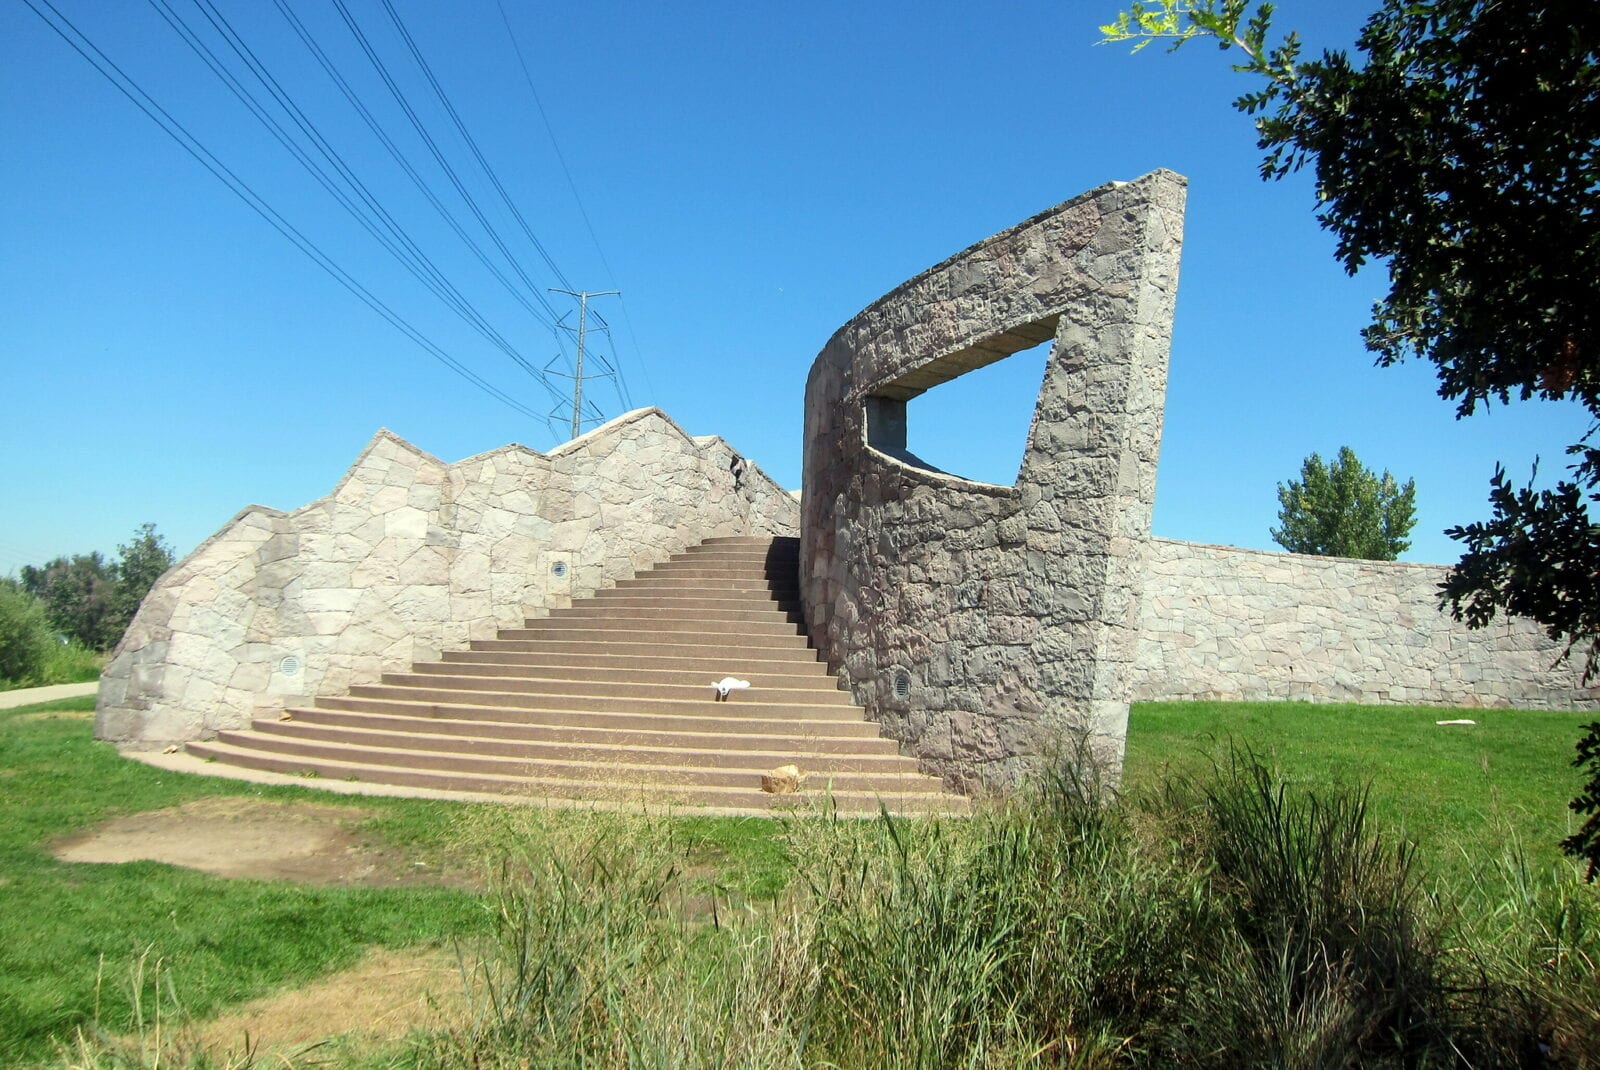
{"x": 472, "y": 145}
{"x": 423, "y": 186}
{"x": 392, "y": 236}
{"x": 433, "y": 148}
{"x": 527, "y": 77}
{"x": 129, "y": 88}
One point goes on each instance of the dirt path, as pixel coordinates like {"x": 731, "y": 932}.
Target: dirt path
{"x": 233, "y": 836}
{"x": 27, "y": 696}
{"x": 379, "y": 999}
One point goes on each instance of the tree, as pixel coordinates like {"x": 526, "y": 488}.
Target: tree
{"x": 139, "y": 564}
{"x": 26, "y": 637}
{"x": 92, "y": 600}
{"x": 79, "y": 593}
{"x": 1464, "y": 154}
{"x": 1343, "y": 510}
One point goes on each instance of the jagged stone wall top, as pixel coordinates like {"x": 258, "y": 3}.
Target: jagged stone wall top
{"x": 978, "y": 622}
{"x": 408, "y": 556}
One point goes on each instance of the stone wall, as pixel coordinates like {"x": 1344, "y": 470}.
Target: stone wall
{"x": 409, "y": 556}
{"x": 1223, "y": 623}
{"x": 977, "y": 622}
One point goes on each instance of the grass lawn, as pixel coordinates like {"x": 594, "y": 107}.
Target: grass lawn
{"x": 71, "y": 935}
{"x": 1463, "y": 792}
{"x": 220, "y": 941}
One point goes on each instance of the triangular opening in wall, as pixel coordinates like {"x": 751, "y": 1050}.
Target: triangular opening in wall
{"x": 974, "y": 426}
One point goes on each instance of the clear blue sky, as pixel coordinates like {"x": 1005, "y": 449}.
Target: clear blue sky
{"x": 754, "y": 174}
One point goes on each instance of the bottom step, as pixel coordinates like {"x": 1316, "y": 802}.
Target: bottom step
{"x": 746, "y": 800}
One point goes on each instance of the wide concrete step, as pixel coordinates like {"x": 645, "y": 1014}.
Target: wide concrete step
{"x": 779, "y": 619}
{"x": 626, "y": 601}
{"x": 743, "y": 800}
{"x": 795, "y": 743}
{"x": 661, "y": 717}
{"x": 730, "y": 552}
{"x": 696, "y": 691}
{"x": 745, "y": 761}
{"x": 784, "y": 587}
{"x": 651, "y": 645}
{"x": 664, "y": 671}
{"x": 808, "y": 707}
{"x": 712, "y": 571}
{"x": 775, "y": 541}
{"x": 735, "y": 635}
{"x": 704, "y": 625}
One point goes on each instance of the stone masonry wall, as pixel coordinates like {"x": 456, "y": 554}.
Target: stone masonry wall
{"x": 1007, "y": 615}
{"x": 409, "y": 556}
{"x": 1219, "y": 622}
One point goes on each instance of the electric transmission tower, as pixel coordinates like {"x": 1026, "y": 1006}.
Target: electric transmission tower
{"x": 577, "y": 375}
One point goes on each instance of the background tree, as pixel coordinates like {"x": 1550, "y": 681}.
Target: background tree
{"x": 139, "y": 564}
{"x": 26, "y": 637}
{"x": 79, "y": 594}
{"x": 1344, "y": 510}
{"x": 92, "y": 600}
{"x": 1464, "y": 154}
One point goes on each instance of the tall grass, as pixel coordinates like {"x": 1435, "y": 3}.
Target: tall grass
{"x": 1226, "y": 921}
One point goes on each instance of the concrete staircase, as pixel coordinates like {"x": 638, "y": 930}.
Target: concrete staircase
{"x": 610, "y": 700}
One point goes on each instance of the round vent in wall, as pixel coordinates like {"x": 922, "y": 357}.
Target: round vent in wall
{"x": 290, "y": 665}
{"x": 559, "y": 569}
{"x": 902, "y": 684}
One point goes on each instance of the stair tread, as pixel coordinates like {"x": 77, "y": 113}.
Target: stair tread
{"x": 510, "y": 730}
{"x": 752, "y": 799}
{"x": 759, "y": 760}
{"x": 756, "y": 769}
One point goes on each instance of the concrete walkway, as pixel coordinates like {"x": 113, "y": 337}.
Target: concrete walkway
{"x": 27, "y": 696}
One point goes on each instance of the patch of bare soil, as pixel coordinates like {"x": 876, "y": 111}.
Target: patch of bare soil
{"x": 380, "y": 999}
{"x": 233, "y": 836}
{"x": 55, "y": 715}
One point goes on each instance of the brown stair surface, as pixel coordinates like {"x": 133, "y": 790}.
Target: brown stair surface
{"x": 611, "y": 700}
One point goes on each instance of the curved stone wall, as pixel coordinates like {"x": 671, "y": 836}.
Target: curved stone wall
{"x": 978, "y": 623}
{"x": 1220, "y": 622}
{"x": 408, "y": 556}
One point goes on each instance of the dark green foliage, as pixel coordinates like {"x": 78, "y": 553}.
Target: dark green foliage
{"x": 26, "y": 637}
{"x": 1231, "y": 921}
{"x": 139, "y": 564}
{"x": 1585, "y": 843}
{"x": 1463, "y": 152}
{"x": 80, "y": 594}
{"x": 1539, "y": 557}
{"x": 1344, "y": 510}
{"x": 92, "y": 600}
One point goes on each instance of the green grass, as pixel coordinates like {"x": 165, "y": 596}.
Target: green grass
{"x": 1461, "y": 791}
{"x": 63, "y": 663}
{"x": 1200, "y": 915}
{"x": 63, "y": 927}
{"x": 72, "y": 663}
{"x": 222, "y": 940}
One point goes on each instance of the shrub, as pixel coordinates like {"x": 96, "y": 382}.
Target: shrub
{"x": 27, "y": 642}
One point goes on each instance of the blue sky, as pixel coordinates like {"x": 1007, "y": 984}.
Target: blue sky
{"x": 753, "y": 175}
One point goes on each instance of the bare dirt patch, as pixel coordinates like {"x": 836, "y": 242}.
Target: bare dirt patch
{"x": 232, "y": 836}
{"x": 54, "y": 715}
{"x": 381, "y": 998}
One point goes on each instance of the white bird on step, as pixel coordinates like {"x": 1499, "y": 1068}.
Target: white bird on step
{"x": 727, "y": 684}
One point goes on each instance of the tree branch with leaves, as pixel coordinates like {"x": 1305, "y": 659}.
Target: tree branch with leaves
{"x": 1462, "y": 153}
